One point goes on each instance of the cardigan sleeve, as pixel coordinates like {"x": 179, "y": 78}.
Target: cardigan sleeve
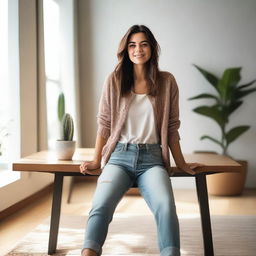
{"x": 174, "y": 121}
{"x": 104, "y": 112}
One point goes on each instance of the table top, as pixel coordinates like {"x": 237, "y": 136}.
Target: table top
{"x": 46, "y": 161}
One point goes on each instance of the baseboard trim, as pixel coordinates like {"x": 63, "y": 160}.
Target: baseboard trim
{"x": 28, "y": 200}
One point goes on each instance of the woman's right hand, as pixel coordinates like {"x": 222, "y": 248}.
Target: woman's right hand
{"x": 90, "y": 167}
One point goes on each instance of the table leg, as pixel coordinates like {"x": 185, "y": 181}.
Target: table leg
{"x": 55, "y": 214}
{"x": 202, "y": 195}
{"x": 71, "y": 185}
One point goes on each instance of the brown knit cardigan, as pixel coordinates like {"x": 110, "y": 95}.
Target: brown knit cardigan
{"x": 113, "y": 110}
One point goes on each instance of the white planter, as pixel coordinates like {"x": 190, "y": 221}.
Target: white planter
{"x": 65, "y": 149}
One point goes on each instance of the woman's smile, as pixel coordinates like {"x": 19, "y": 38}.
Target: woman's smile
{"x": 139, "y": 49}
{"x": 139, "y": 56}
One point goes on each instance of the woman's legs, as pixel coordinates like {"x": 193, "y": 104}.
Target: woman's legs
{"x": 156, "y": 188}
{"x": 111, "y": 186}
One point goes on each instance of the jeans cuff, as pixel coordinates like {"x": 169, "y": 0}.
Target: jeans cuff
{"x": 170, "y": 251}
{"x": 89, "y": 244}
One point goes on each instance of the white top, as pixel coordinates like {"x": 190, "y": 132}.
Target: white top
{"x": 140, "y": 125}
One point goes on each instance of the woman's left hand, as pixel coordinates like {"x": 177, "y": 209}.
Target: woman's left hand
{"x": 191, "y": 168}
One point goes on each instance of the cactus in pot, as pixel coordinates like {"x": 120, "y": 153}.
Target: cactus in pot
{"x": 65, "y": 147}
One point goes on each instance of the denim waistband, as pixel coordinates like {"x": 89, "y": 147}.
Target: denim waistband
{"x": 138, "y": 146}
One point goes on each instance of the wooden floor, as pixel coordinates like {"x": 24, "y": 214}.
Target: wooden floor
{"x": 13, "y": 228}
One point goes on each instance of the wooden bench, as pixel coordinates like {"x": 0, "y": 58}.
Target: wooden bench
{"x": 46, "y": 161}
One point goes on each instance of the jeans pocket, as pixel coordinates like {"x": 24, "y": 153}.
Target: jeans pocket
{"x": 119, "y": 148}
{"x": 156, "y": 155}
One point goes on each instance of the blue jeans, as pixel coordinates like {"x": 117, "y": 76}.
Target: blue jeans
{"x": 129, "y": 165}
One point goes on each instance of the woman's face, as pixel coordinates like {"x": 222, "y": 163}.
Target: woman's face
{"x": 139, "y": 50}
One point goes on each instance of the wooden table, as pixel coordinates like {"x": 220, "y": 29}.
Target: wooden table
{"x": 46, "y": 161}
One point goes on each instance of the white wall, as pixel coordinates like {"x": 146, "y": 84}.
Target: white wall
{"x": 213, "y": 34}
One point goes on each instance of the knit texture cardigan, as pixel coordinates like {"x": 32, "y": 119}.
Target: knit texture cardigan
{"x": 113, "y": 109}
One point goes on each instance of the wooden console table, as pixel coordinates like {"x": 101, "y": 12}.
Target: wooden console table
{"x": 46, "y": 161}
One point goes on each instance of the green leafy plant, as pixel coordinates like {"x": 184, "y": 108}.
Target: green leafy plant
{"x": 227, "y": 99}
{"x": 67, "y": 127}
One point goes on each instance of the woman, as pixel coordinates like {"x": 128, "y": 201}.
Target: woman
{"x": 138, "y": 122}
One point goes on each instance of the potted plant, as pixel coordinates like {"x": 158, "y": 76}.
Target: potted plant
{"x": 227, "y": 99}
{"x": 65, "y": 147}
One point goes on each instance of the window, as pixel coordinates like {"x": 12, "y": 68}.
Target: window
{"x": 4, "y": 117}
{"x": 60, "y": 67}
{"x": 52, "y": 66}
{"x": 9, "y": 91}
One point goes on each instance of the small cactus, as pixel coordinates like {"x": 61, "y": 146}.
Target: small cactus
{"x": 61, "y": 106}
{"x": 67, "y": 128}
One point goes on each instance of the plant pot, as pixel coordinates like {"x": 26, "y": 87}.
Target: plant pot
{"x": 227, "y": 184}
{"x": 65, "y": 149}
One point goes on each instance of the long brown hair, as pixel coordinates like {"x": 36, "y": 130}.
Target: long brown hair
{"x": 124, "y": 68}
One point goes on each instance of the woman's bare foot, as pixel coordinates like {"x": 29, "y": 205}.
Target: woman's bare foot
{"x": 88, "y": 252}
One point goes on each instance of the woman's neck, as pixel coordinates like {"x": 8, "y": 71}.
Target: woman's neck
{"x": 139, "y": 72}
{"x": 140, "y": 83}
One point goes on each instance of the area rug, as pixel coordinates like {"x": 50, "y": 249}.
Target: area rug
{"x": 136, "y": 236}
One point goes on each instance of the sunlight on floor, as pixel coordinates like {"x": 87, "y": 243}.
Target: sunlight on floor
{"x": 189, "y": 216}
{"x": 183, "y": 252}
